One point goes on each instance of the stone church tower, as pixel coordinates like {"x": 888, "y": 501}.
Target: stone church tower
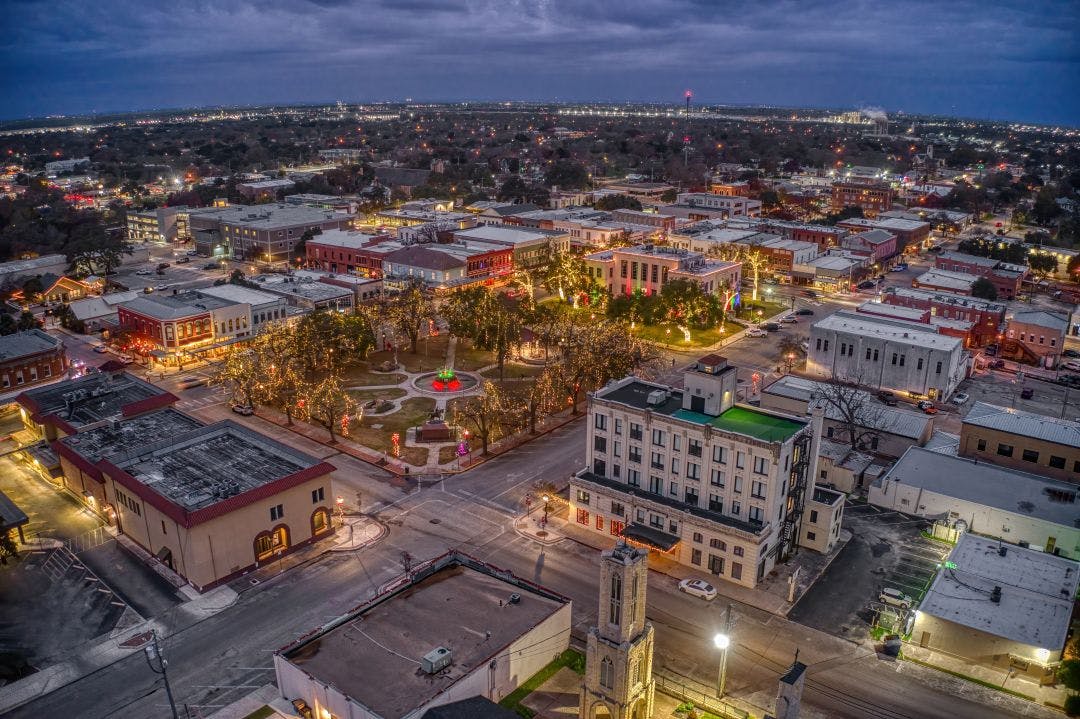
{"x": 618, "y": 661}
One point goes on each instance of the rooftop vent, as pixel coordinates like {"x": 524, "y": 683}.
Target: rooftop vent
{"x": 657, "y": 396}
{"x": 515, "y": 598}
{"x": 436, "y": 660}
{"x": 995, "y": 595}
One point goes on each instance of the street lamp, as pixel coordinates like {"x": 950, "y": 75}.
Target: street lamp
{"x": 546, "y": 499}
{"x": 722, "y": 642}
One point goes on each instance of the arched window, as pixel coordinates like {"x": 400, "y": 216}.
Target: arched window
{"x": 607, "y": 674}
{"x": 268, "y": 544}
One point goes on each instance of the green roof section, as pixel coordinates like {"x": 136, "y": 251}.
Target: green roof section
{"x": 743, "y": 420}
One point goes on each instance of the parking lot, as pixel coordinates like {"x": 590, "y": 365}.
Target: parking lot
{"x": 1004, "y": 389}
{"x": 886, "y": 550}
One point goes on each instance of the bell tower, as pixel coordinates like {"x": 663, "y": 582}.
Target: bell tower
{"x": 618, "y": 661}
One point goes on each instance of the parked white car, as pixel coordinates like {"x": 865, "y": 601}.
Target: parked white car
{"x": 789, "y": 319}
{"x": 960, "y": 398}
{"x": 698, "y": 588}
{"x": 896, "y": 598}
{"x": 756, "y": 332}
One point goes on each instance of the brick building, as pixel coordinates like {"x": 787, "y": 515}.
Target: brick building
{"x": 346, "y": 252}
{"x": 913, "y": 234}
{"x": 1006, "y": 278}
{"x": 987, "y": 318}
{"x": 1034, "y": 443}
{"x": 871, "y": 196}
{"x": 29, "y": 358}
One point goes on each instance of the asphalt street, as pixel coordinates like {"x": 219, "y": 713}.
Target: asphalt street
{"x": 217, "y": 660}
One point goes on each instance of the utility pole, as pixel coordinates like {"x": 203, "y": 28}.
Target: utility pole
{"x": 158, "y": 665}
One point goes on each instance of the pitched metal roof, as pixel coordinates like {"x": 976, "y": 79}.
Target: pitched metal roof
{"x": 1025, "y": 424}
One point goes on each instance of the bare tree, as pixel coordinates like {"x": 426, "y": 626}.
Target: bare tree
{"x": 859, "y": 416}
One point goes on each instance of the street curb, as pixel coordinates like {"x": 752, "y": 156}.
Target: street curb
{"x": 383, "y": 531}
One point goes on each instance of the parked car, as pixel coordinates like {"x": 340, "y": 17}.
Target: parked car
{"x": 809, "y": 293}
{"x": 183, "y": 260}
{"x": 771, "y": 326}
{"x": 211, "y": 266}
{"x": 161, "y": 288}
{"x": 866, "y": 285}
{"x": 896, "y": 598}
{"x": 805, "y": 312}
{"x": 1074, "y": 365}
{"x": 698, "y": 588}
{"x": 924, "y": 404}
{"x": 1070, "y": 353}
{"x": 887, "y": 397}
{"x": 126, "y": 359}
{"x": 101, "y": 349}
{"x": 996, "y": 364}
{"x": 1027, "y": 393}
{"x": 245, "y": 409}
{"x": 788, "y": 319}
{"x": 960, "y": 398}
{"x": 1069, "y": 380}
{"x": 192, "y": 253}
{"x": 771, "y": 281}
{"x": 756, "y": 332}
{"x": 144, "y": 273}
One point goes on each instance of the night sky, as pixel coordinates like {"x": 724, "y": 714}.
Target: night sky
{"x": 985, "y": 59}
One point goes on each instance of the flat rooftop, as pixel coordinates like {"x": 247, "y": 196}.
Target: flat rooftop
{"x": 1005, "y": 489}
{"x": 178, "y": 306}
{"x": 898, "y": 331}
{"x": 268, "y": 217}
{"x": 503, "y": 235}
{"x": 306, "y": 288}
{"x": 207, "y": 464}
{"x": 947, "y": 279}
{"x": 372, "y": 654}
{"x": 92, "y": 397}
{"x": 1026, "y": 424}
{"x": 748, "y": 421}
{"x": 1037, "y": 591}
{"x": 239, "y": 294}
{"x": 346, "y": 239}
{"x": 107, "y": 440}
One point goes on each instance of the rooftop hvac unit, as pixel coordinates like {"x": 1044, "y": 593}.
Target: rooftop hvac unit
{"x": 436, "y": 660}
{"x": 657, "y": 396}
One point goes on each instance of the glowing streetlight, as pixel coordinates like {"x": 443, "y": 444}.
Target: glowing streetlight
{"x": 546, "y": 499}
{"x": 722, "y": 642}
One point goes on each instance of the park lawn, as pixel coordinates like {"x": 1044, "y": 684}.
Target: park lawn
{"x": 698, "y": 337}
{"x": 471, "y": 359}
{"x": 748, "y": 309}
{"x": 362, "y": 375}
{"x": 366, "y": 394}
{"x": 413, "y": 412}
{"x": 514, "y": 371}
{"x": 570, "y": 658}
{"x": 447, "y": 454}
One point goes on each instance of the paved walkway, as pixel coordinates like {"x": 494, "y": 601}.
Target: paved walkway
{"x": 772, "y": 594}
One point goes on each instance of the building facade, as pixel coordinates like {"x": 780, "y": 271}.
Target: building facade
{"x": 716, "y": 486}
{"x": 29, "y": 358}
{"x": 1029, "y": 442}
{"x": 871, "y": 196}
{"x": 886, "y": 354}
{"x": 987, "y": 318}
{"x": 647, "y": 268}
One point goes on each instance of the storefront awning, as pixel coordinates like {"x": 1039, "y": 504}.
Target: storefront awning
{"x": 651, "y": 536}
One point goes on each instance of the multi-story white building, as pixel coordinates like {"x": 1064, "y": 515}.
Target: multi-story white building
{"x": 717, "y": 486}
{"x": 887, "y": 354}
{"x": 647, "y": 268}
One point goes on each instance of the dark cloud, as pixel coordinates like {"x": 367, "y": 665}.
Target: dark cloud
{"x": 970, "y": 57}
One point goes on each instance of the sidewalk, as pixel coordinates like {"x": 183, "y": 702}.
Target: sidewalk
{"x": 998, "y": 677}
{"x": 358, "y": 531}
{"x": 771, "y": 593}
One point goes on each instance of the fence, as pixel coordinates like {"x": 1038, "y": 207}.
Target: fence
{"x": 696, "y": 693}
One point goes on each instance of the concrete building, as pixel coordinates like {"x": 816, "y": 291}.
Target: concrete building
{"x": 66, "y": 407}
{"x": 716, "y": 486}
{"x": 209, "y": 502}
{"x": 306, "y": 293}
{"x": 102, "y": 312}
{"x": 1036, "y": 337}
{"x": 1000, "y": 606}
{"x": 265, "y": 233}
{"x": 164, "y": 224}
{"x": 263, "y": 189}
{"x": 652, "y": 219}
{"x": 451, "y": 629}
{"x": 647, "y": 268}
{"x": 961, "y": 329}
{"x": 706, "y": 206}
{"x": 169, "y": 328}
{"x": 56, "y": 167}
{"x": 346, "y": 205}
{"x": 997, "y": 502}
{"x": 618, "y": 680}
{"x": 11, "y": 271}
{"x": 708, "y": 236}
{"x": 29, "y": 358}
{"x": 1035, "y": 443}
{"x": 262, "y": 308}
{"x": 905, "y": 357}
